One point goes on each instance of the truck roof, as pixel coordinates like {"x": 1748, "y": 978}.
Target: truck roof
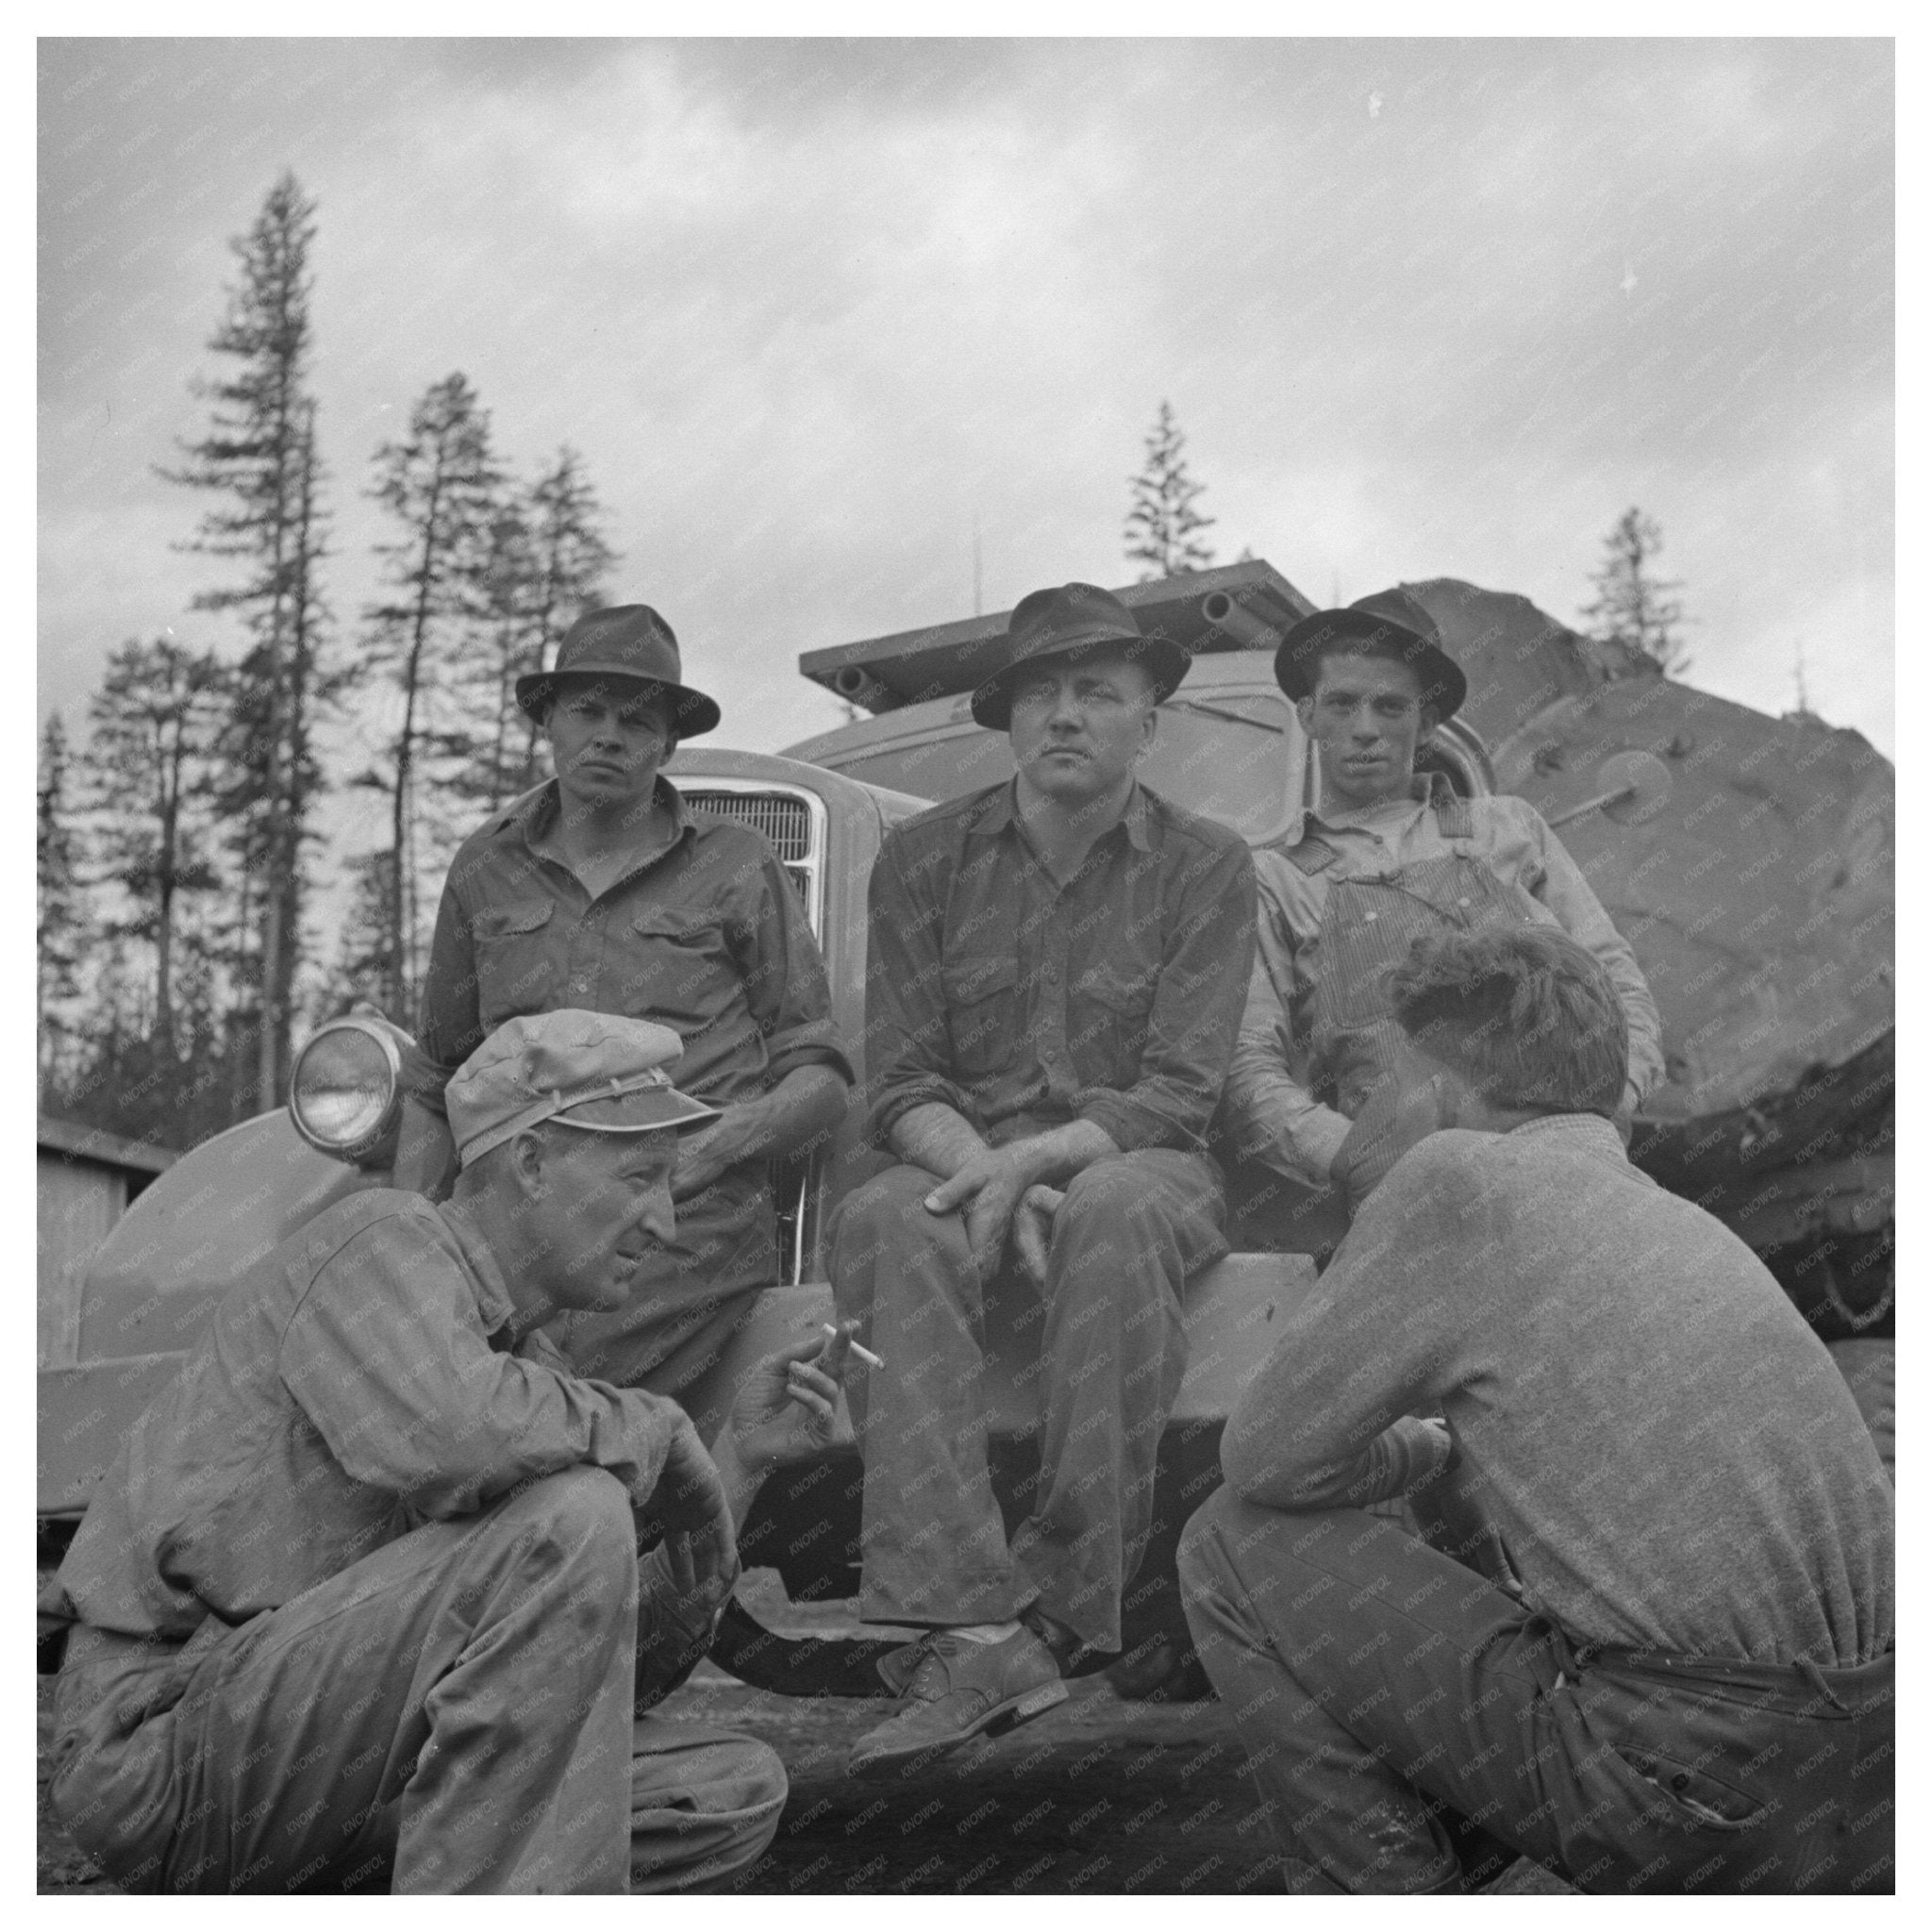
{"x": 1243, "y": 607}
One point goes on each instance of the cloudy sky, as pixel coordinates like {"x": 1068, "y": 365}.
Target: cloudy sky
{"x": 812, "y": 310}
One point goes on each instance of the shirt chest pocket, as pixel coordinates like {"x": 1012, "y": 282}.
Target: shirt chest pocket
{"x": 517, "y": 968}
{"x": 1108, "y": 1009}
{"x": 677, "y": 968}
{"x": 983, "y": 1018}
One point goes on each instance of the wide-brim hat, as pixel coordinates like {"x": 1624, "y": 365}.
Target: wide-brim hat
{"x": 602, "y": 1072}
{"x": 628, "y": 644}
{"x": 1393, "y": 618}
{"x": 1075, "y": 621}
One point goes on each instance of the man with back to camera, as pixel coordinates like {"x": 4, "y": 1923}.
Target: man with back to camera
{"x": 361, "y": 1595}
{"x": 604, "y": 889}
{"x": 1683, "y": 1679}
{"x": 1387, "y": 854}
{"x": 1055, "y": 976}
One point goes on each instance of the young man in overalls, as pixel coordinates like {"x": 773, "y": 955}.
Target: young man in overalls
{"x": 1321, "y": 1072}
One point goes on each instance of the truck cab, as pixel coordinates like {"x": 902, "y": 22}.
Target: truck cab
{"x": 1228, "y": 745}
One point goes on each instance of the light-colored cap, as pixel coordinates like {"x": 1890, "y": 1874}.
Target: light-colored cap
{"x": 599, "y": 1072}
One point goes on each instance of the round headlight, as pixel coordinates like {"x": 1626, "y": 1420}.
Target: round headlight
{"x": 347, "y": 1089}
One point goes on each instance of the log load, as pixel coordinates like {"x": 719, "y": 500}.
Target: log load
{"x": 1759, "y": 901}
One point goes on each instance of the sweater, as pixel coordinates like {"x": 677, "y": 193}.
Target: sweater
{"x": 1669, "y": 1453}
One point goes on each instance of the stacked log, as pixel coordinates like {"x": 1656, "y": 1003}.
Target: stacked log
{"x": 1759, "y": 901}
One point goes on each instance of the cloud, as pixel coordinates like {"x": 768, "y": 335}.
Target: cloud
{"x": 811, "y": 308}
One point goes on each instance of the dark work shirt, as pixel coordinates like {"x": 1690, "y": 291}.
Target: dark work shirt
{"x": 1024, "y": 1004}
{"x": 706, "y": 937}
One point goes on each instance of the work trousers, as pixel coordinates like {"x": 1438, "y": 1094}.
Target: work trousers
{"x": 1111, "y": 1353}
{"x": 453, "y": 1712}
{"x": 1383, "y": 1691}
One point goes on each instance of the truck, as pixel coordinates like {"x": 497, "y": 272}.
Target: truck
{"x": 1776, "y": 1112}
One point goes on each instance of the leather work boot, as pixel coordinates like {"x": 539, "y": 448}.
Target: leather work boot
{"x": 959, "y": 1689}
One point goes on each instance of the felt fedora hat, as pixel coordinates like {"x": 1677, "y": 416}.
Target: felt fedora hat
{"x": 1072, "y": 621}
{"x": 631, "y": 643}
{"x": 1390, "y": 618}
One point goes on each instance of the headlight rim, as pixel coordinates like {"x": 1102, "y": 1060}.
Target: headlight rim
{"x": 366, "y": 1143}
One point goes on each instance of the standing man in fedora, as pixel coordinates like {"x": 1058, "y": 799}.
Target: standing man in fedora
{"x": 1323, "y": 1076}
{"x": 602, "y": 889}
{"x": 1055, "y": 976}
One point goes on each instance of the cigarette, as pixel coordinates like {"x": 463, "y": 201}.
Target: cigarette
{"x": 859, "y": 1348}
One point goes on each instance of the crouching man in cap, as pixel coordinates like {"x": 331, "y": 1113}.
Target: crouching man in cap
{"x": 1055, "y": 972}
{"x": 1387, "y": 854}
{"x": 362, "y": 1598}
{"x": 1676, "y": 1675}
{"x": 604, "y": 889}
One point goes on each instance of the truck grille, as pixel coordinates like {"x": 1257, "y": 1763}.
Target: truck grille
{"x": 785, "y": 822}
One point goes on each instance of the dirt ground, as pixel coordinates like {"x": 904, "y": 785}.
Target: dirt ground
{"x": 1101, "y": 1795}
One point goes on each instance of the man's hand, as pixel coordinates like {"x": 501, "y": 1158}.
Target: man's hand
{"x": 690, "y": 1498}
{"x": 987, "y": 1188}
{"x": 683, "y": 1587}
{"x": 1403, "y": 1109}
{"x": 788, "y": 1408}
{"x": 1033, "y": 1229}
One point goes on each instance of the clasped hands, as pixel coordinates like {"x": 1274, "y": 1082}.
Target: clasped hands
{"x": 998, "y": 1195}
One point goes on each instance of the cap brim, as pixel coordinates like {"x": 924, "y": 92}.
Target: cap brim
{"x": 642, "y": 1112}
{"x": 694, "y": 713}
{"x": 1300, "y": 651}
{"x": 1164, "y": 661}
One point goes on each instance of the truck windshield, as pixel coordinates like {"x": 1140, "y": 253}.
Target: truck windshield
{"x": 1237, "y": 757}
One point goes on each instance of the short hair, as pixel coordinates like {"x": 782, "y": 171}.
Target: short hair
{"x": 481, "y": 1171}
{"x": 553, "y": 1137}
{"x": 1524, "y": 1014}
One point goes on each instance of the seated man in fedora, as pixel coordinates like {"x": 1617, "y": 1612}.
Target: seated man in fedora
{"x": 1676, "y": 1671}
{"x": 1055, "y": 972}
{"x": 602, "y": 890}
{"x": 362, "y": 1600}
{"x": 1387, "y": 854}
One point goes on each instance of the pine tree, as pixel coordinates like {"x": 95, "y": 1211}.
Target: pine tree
{"x": 364, "y": 967}
{"x": 1162, "y": 522}
{"x": 546, "y": 569}
{"x": 503, "y": 653}
{"x": 443, "y": 485}
{"x": 61, "y": 925}
{"x": 260, "y": 455}
{"x": 149, "y": 793}
{"x": 1632, "y": 607}
{"x": 570, "y": 561}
